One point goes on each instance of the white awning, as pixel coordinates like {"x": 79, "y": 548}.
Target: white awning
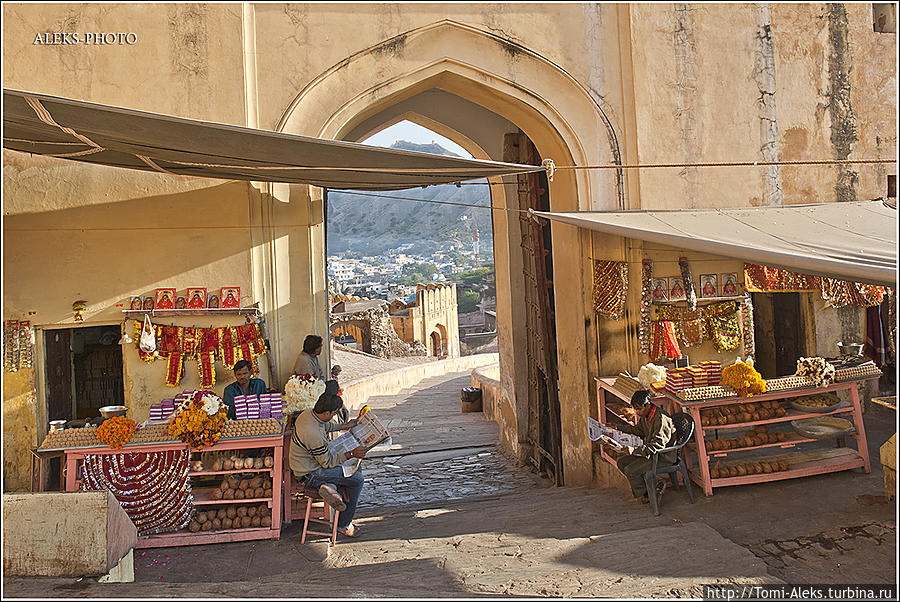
{"x": 117, "y": 137}
{"x": 854, "y": 241}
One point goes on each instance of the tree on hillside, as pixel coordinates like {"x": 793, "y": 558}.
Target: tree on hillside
{"x": 467, "y": 302}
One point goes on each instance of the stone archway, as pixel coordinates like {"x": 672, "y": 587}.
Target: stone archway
{"x": 563, "y": 120}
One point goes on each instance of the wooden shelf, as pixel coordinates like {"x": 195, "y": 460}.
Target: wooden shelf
{"x": 219, "y": 311}
{"x": 814, "y": 463}
{"x": 203, "y": 497}
{"x": 201, "y": 473}
{"x": 184, "y": 538}
{"x": 701, "y": 300}
{"x": 793, "y": 440}
{"x": 792, "y": 414}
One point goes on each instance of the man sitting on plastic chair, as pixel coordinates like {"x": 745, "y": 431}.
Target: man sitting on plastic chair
{"x": 316, "y": 467}
{"x": 658, "y": 432}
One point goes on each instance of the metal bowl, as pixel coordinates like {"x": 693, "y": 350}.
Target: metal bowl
{"x": 824, "y": 427}
{"x": 850, "y": 349}
{"x": 113, "y": 411}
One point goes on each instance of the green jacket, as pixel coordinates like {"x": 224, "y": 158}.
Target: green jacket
{"x": 658, "y": 432}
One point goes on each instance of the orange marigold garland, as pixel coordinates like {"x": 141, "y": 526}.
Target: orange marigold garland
{"x": 199, "y": 420}
{"x": 116, "y": 431}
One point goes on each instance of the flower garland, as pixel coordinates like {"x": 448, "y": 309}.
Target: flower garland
{"x": 763, "y": 279}
{"x": 11, "y": 345}
{"x": 116, "y": 431}
{"x": 821, "y": 372}
{"x": 747, "y": 327}
{"x": 301, "y": 391}
{"x": 199, "y": 419}
{"x": 646, "y": 297}
{"x": 839, "y": 293}
{"x": 610, "y": 288}
{"x": 744, "y": 379}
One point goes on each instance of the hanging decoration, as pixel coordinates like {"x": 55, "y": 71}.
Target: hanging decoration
{"x": 763, "y": 279}
{"x": 689, "y": 289}
{"x": 724, "y": 326}
{"x": 610, "y": 288}
{"x": 665, "y": 343}
{"x": 747, "y": 327}
{"x": 839, "y": 293}
{"x": 892, "y": 319}
{"x": 78, "y": 308}
{"x": 646, "y": 298}
{"x": 151, "y": 487}
{"x": 11, "y": 341}
{"x": 177, "y": 344}
{"x": 26, "y": 348}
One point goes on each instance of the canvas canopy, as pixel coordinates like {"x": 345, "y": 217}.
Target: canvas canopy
{"x": 854, "y": 241}
{"x": 117, "y": 137}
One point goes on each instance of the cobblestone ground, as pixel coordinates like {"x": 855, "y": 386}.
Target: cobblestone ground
{"x": 484, "y": 473}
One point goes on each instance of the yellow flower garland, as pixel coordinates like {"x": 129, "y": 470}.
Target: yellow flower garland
{"x": 744, "y": 379}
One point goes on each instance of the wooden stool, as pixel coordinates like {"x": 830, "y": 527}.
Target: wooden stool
{"x": 318, "y": 512}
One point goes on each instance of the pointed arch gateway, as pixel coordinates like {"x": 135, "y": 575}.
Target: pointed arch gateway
{"x": 355, "y": 98}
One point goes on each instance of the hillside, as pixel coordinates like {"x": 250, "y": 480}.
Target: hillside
{"x": 369, "y": 225}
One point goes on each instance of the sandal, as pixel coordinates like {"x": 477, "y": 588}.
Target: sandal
{"x": 350, "y": 531}
{"x": 332, "y": 497}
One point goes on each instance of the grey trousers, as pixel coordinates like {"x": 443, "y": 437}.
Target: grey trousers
{"x": 634, "y": 467}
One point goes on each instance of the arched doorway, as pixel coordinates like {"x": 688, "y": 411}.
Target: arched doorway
{"x": 561, "y": 118}
{"x": 435, "y": 344}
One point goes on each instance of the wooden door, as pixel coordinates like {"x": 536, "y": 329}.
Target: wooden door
{"x": 58, "y": 370}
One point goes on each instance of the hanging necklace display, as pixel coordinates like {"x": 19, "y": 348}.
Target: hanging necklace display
{"x": 688, "y": 283}
{"x": 26, "y": 346}
{"x": 646, "y": 297}
{"x": 747, "y": 327}
{"x": 724, "y": 326}
{"x": 11, "y": 345}
{"x": 610, "y": 288}
{"x": 151, "y": 487}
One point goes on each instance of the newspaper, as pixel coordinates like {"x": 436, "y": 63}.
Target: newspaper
{"x": 614, "y": 437}
{"x": 368, "y": 433}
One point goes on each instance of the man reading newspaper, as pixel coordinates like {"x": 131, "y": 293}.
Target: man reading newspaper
{"x": 319, "y": 466}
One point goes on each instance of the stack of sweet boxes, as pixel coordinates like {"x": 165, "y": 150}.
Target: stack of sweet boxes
{"x": 678, "y": 379}
{"x": 164, "y": 409}
{"x": 713, "y": 373}
{"x": 256, "y": 407}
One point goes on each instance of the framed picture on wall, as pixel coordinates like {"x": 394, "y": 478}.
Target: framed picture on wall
{"x": 147, "y": 304}
{"x": 196, "y": 298}
{"x": 180, "y": 302}
{"x": 709, "y": 285}
{"x": 659, "y": 289}
{"x": 165, "y": 298}
{"x": 213, "y": 302}
{"x": 136, "y": 303}
{"x": 677, "y": 291}
{"x": 730, "y": 286}
{"x": 230, "y": 296}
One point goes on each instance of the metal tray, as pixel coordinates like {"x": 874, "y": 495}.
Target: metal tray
{"x": 823, "y": 427}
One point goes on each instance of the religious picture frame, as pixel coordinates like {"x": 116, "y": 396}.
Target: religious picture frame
{"x": 709, "y": 285}
{"x": 677, "y": 292}
{"x": 730, "y": 284}
{"x": 180, "y": 302}
{"x": 165, "y": 298}
{"x": 196, "y": 297}
{"x": 147, "y": 304}
{"x": 230, "y": 297}
{"x": 213, "y": 302}
{"x": 136, "y": 303}
{"x": 659, "y": 289}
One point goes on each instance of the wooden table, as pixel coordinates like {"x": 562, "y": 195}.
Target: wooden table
{"x": 75, "y": 456}
{"x": 806, "y": 465}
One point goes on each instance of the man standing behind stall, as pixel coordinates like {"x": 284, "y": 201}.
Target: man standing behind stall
{"x": 658, "y": 431}
{"x": 243, "y": 385}
{"x": 308, "y": 362}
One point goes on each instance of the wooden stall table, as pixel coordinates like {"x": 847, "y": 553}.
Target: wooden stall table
{"x": 801, "y": 463}
{"x": 74, "y": 458}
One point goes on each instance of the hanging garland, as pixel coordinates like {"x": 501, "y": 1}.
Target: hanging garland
{"x": 151, "y": 487}
{"x": 646, "y": 298}
{"x": 840, "y": 293}
{"x": 688, "y": 283}
{"x": 763, "y": 279}
{"x": 747, "y": 327}
{"x": 11, "y": 345}
{"x": 665, "y": 343}
{"x": 610, "y": 288}
{"x": 178, "y": 344}
{"x": 724, "y": 326}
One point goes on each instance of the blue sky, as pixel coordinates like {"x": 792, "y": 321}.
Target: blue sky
{"x": 411, "y": 132}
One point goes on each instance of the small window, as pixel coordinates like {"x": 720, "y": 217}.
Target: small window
{"x": 884, "y": 18}
{"x": 892, "y": 186}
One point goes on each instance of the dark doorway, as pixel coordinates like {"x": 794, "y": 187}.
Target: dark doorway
{"x": 544, "y": 431}
{"x": 780, "y": 337}
{"x": 83, "y": 369}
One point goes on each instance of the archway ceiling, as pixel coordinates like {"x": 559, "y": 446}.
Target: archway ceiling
{"x": 126, "y": 138}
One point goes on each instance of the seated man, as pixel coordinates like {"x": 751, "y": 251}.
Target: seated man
{"x": 317, "y": 467}
{"x": 658, "y": 431}
{"x": 244, "y": 385}
{"x": 308, "y": 360}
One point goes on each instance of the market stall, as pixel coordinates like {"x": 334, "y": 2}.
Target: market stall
{"x": 192, "y": 478}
